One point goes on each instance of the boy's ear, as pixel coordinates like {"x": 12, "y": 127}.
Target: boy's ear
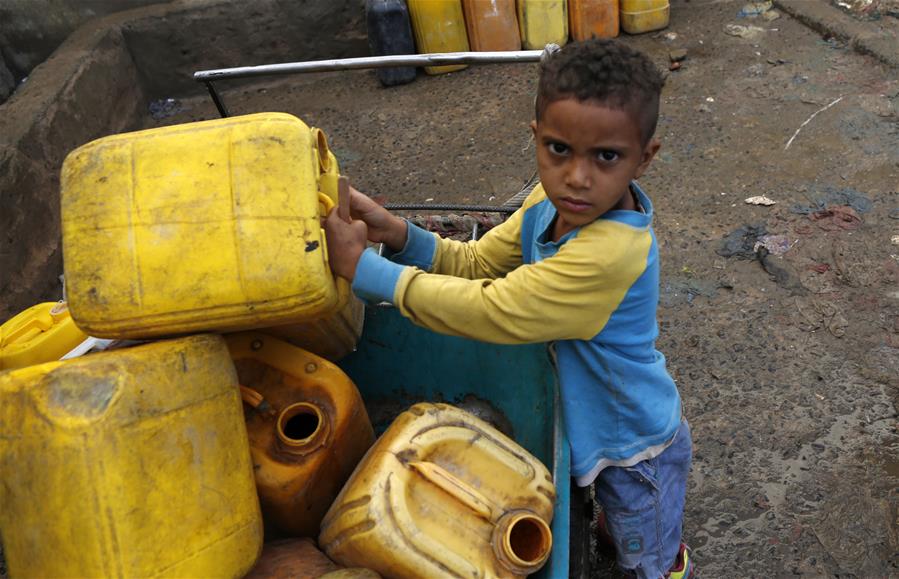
{"x": 649, "y": 153}
{"x": 533, "y": 126}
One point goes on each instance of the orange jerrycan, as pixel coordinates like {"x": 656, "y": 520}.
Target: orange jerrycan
{"x": 130, "y": 463}
{"x": 292, "y": 559}
{"x": 307, "y": 428}
{"x": 543, "y": 22}
{"x": 301, "y": 559}
{"x": 42, "y": 333}
{"x": 638, "y": 16}
{"x": 492, "y": 25}
{"x": 593, "y": 19}
{"x": 439, "y": 26}
{"x": 207, "y": 226}
{"x": 443, "y": 493}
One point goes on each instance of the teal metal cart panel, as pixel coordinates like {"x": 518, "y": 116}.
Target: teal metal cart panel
{"x": 397, "y": 364}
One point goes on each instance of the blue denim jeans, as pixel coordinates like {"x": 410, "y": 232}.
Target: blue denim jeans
{"x": 644, "y": 506}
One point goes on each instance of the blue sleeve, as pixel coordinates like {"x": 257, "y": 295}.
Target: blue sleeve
{"x": 419, "y": 250}
{"x": 376, "y": 277}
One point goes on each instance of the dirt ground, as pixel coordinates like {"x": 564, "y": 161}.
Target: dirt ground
{"x": 788, "y": 364}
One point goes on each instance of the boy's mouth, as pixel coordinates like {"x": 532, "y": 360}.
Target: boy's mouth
{"x": 574, "y": 205}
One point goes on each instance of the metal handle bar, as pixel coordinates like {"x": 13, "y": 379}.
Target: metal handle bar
{"x": 434, "y": 59}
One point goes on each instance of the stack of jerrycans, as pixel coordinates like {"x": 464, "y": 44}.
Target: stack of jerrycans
{"x": 137, "y": 462}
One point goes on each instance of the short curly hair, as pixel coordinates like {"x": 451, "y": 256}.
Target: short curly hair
{"x": 606, "y": 72}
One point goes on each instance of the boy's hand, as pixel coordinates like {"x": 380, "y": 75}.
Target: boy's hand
{"x": 383, "y": 227}
{"x": 346, "y": 242}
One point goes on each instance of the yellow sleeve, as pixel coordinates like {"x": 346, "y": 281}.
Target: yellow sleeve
{"x": 570, "y": 295}
{"x": 495, "y": 254}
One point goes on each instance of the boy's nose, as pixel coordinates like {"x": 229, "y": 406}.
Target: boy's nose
{"x": 578, "y": 174}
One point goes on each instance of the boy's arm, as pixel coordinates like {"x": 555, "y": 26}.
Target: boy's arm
{"x": 494, "y": 255}
{"x": 568, "y": 296}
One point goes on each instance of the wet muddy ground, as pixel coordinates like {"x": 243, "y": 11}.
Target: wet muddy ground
{"x": 784, "y": 342}
{"x": 784, "y": 337}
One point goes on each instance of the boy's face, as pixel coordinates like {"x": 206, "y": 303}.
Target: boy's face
{"x": 587, "y": 155}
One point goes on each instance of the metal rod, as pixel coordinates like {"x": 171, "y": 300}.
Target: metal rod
{"x": 448, "y": 207}
{"x": 435, "y": 59}
{"x": 219, "y": 103}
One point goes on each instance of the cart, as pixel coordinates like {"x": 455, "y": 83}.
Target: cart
{"x": 398, "y": 364}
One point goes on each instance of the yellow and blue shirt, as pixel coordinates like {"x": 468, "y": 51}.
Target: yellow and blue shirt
{"x": 594, "y": 293}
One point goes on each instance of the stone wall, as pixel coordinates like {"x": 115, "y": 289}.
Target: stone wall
{"x": 30, "y": 30}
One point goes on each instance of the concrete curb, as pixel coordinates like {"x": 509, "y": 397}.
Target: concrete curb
{"x": 829, "y": 20}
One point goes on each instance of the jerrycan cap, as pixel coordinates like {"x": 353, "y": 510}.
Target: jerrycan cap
{"x": 60, "y": 310}
{"x": 302, "y": 428}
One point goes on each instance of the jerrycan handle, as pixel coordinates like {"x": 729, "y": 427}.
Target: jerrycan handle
{"x": 458, "y": 489}
{"x": 326, "y": 204}
{"x": 33, "y": 327}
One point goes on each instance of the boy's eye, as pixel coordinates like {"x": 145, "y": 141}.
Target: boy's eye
{"x": 558, "y": 148}
{"x": 607, "y": 156}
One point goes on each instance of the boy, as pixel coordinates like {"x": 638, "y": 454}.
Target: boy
{"x": 577, "y": 265}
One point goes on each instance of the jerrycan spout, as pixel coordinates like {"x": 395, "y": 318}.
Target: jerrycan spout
{"x": 522, "y": 541}
{"x": 302, "y": 428}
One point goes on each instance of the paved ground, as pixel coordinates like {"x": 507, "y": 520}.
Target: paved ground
{"x": 788, "y": 364}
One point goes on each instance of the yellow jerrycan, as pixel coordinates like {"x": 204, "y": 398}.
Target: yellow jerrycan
{"x": 638, "y": 16}
{"x": 593, "y": 19}
{"x": 543, "y": 22}
{"x": 129, "y": 463}
{"x": 206, "y": 226}
{"x": 333, "y": 337}
{"x": 43, "y": 333}
{"x": 492, "y": 25}
{"x": 439, "y": 26}
{"x": 307, "y": 427}
{"x": 442, "y": 493}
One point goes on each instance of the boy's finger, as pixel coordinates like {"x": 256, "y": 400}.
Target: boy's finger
{"x": 360, "y": 203}
{"x": 334, "y": 223}
{"x": 332, "y": 218}
{"x": 343, "y": 198}
{"x": 360, "y": 227}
